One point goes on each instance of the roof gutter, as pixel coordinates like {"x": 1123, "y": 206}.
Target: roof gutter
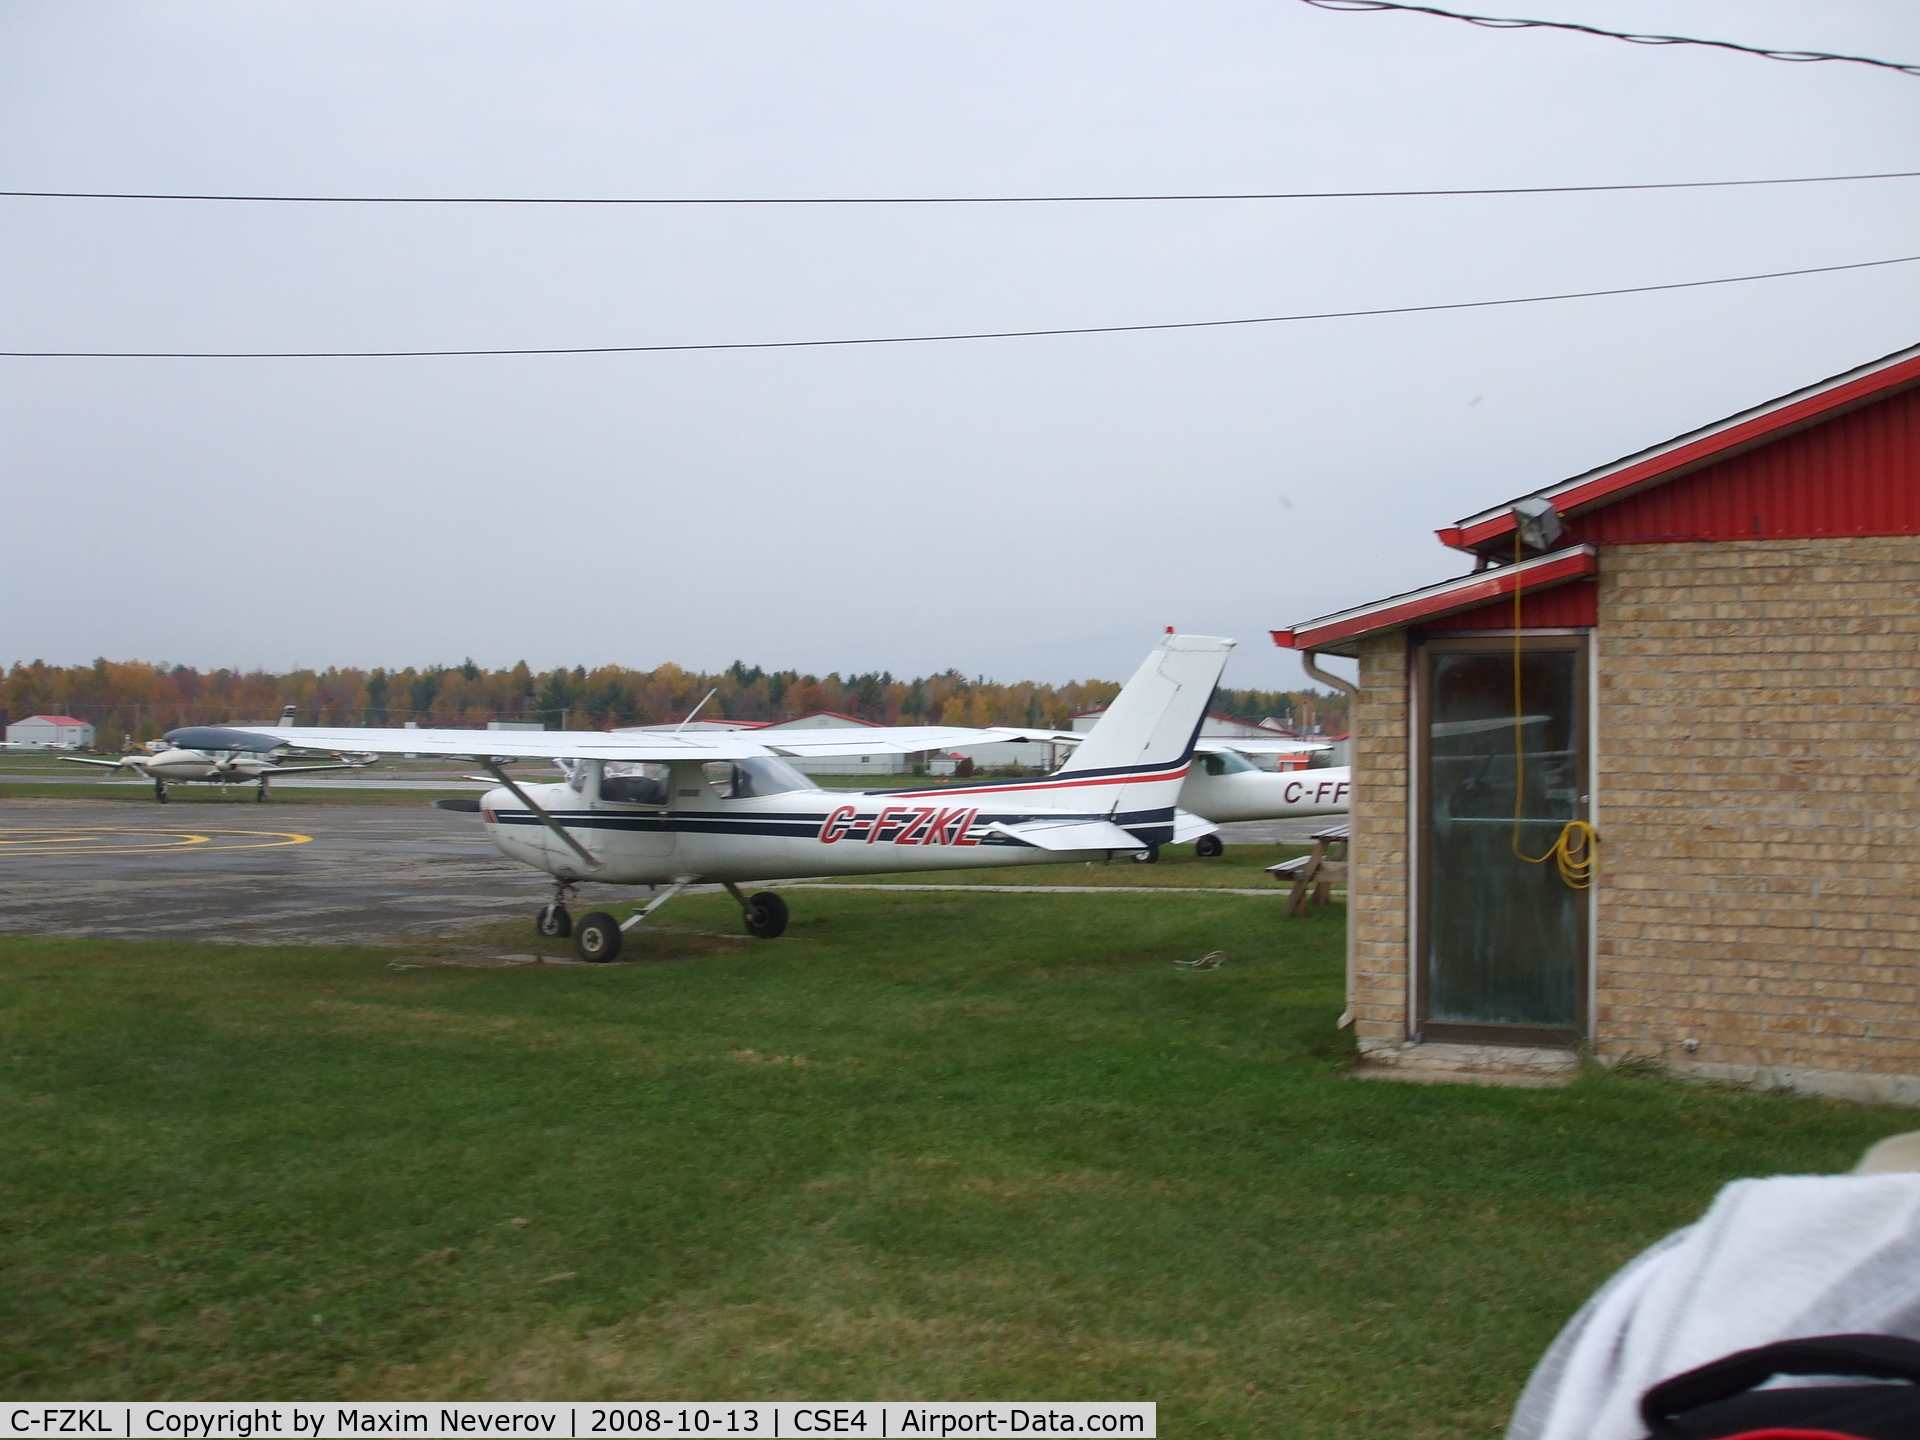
{"x": 1336, "y": 633}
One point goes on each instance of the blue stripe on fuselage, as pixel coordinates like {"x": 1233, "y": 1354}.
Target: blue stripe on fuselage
{"x": 1147, "y": 825}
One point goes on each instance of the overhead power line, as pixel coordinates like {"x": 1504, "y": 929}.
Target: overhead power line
{"x": 1499, "y": 22}
{"x": 1095, "y": 199}
{"x": 933, "y": 339}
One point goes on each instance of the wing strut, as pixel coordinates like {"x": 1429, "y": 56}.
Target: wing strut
{"x": 545, "y": 819}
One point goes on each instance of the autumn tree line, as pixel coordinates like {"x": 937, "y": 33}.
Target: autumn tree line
{"x": 133, "y": 701}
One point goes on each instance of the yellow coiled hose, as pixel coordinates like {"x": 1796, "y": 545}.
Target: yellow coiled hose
{"x": 1576, "y": 850}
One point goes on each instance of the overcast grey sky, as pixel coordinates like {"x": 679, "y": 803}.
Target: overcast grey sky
{"x": 1023, "y": 508}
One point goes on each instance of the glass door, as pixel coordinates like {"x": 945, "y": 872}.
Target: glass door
{"x": 1503, "y": 937}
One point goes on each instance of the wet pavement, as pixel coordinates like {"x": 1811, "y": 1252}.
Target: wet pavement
{"x": 315, "y": 874}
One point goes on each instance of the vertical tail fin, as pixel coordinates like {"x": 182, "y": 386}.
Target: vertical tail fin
{"x": 1149, "y": 732}
{"x": 1157, "y": 714}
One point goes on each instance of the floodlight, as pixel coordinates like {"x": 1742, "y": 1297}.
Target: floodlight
{"x": 1538, "y": 522}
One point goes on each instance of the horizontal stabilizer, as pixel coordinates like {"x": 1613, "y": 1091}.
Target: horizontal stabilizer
{"x": 1188, "y": 826}
{"x": 1068, "y": 835}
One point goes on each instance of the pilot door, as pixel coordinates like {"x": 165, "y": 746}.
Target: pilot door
{"x": 1502, "y": 937}
{"x": 629, "y": 803}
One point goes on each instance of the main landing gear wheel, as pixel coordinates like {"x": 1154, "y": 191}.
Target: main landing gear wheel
{"x": 554, "y": 921}
{"x": 1148, "y": 856}
{"x": 1208, "y": 847}
{"x": 596, "y": 939}
{"x": 160, "y": 791}
{"x": 766, "y": 915}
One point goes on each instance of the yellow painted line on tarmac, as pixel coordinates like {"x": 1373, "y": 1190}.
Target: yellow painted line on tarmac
{"x": 24, "y": 841}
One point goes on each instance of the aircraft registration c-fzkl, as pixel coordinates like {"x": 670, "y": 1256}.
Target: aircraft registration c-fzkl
{"x": 682, "y": 808}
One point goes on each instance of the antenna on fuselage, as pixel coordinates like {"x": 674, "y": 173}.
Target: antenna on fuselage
{"x": 696, "y": 710}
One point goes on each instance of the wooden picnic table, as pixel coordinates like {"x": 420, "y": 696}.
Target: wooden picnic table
{"x": 1314, "y": 876}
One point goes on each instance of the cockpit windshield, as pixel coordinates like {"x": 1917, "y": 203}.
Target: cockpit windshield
{"x": 1225, "y": 762}
{"x": 758, "y": 775}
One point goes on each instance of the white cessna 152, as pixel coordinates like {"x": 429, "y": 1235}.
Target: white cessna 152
{"x": 1224, "y": 786}
{"x": 218, "y": 755}
{"x": 680, "y": 808}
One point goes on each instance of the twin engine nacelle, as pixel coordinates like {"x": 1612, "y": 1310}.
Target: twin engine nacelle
{"x": 179, "y": 764}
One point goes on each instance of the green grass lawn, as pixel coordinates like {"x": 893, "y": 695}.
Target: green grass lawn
{"x": 939, "y": 1146}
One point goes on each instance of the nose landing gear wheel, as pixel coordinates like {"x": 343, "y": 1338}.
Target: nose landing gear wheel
{"x": 766, "y": 915}
{"x": 1208, "y": 847}
{"x": 596, "y": 939}
{"x": 1148, "y": 856}
{"x": 554, "y": 922}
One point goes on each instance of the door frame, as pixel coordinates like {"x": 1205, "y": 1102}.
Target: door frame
{"x": 1579, "y": 641}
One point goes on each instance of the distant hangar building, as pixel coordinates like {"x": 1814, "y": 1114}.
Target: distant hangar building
{"x": 1719, "y": 668}
{"x": 50, "y": 732}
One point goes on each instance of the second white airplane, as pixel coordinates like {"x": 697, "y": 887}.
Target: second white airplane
{"x": 1224, "y": 786}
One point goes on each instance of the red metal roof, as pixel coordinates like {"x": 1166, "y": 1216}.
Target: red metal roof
{"x": 1857, "y": 473}
{"x": 1336, "y": 632}
{"x": 58, "y": 719}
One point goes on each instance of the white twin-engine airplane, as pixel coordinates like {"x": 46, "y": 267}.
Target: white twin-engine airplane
{"x": 215, "y": 754}
{"x": 681, "y": 808}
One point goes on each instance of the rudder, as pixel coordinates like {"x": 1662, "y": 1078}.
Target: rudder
{"x": 1156, "y": 717}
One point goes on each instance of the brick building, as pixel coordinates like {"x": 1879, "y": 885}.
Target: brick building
{"x": 1716, "y": 667}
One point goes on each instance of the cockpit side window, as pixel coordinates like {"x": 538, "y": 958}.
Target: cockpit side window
{"x": 756, "y": 776}
{"x": 635, "y": 784}
{"x": 770, "y": 775}
{"x": 1227, "y": 762}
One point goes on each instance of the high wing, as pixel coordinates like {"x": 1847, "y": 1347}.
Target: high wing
{"x": 527, "y": 744}
{"x": 897, "y": 739}
{"x": 1214, "y": 744}
{"x": 1205, "y": 745}
{"x": 649, "y": 745}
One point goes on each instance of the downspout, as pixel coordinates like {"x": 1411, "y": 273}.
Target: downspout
{"x": 1352, "y": 692}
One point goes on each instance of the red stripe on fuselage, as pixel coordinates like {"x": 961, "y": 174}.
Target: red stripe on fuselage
{"x": 1055, "y": 784}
